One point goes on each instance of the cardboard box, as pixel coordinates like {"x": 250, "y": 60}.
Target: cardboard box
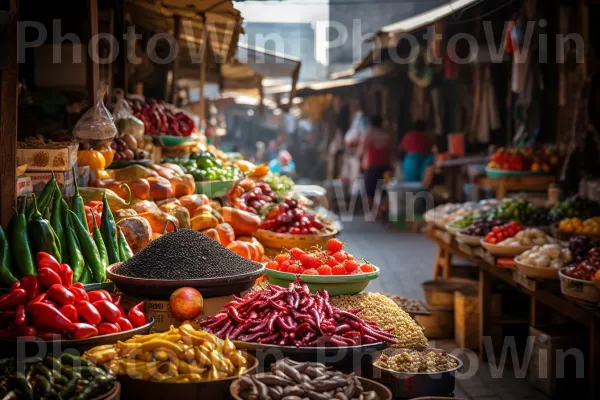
{"x": 24, "y": 186}
{"x": 48, "y": 159}
{"x": 64, "y": 179}
{"x": 160, "y": 310}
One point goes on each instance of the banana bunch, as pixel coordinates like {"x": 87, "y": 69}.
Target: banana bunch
{"x": 179, "y": 355}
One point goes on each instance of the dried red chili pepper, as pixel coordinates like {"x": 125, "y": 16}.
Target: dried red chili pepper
{"x": 20, "y": 316}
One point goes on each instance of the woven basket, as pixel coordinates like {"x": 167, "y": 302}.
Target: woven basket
{"x": 278, "y": 241}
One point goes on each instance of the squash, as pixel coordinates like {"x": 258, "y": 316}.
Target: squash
{"x": 96, "y": 193}
{"x": 193, "y": 201}
{"x": 212, "y": 233}
{"x": 253, "y": 251}
{"x": 124, "y": 213}
{"x": 173, "y": 167}
{"x": 258, "y": 245}
{"x": 142, "y": 206}
{"x": 243, "y": 223}
{"x": 160, "y": 188}
{"x": 240, "y": 248}
{"x": 140, "y": 188}
{"x": 215, "y": 204}
{"x": 183, "y": 185}
{"x": 226, "y": 233}
{"x": 131, "y": 172}
{"x": 137, "y": 231}
{"x": 179, "y": 212}
{"x": 158, "y": 221}
{"x": 204, "y": 221}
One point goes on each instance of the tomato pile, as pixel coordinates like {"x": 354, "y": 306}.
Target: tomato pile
{"x": 333, "y": 261}
{"x": 50, "y": 307}
{"x": 289, "y": 217}
{"x": 499, "y": 233}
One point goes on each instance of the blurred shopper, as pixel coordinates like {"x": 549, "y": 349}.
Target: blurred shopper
{"x": 416, "y": 152}
{"x": 259, "y": 154}
{"x": 375, "y": 152}
{"x": 283, "y": 164}
{"x": 352, "y": 139}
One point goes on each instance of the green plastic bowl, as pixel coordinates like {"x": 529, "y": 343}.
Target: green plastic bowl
{"x": 214, "y": 189}
{"x": 501, "y": 173}
{"x": 172, "y": 141}
{"x": 336, "y": 285}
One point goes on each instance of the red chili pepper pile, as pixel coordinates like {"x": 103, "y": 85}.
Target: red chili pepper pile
{"x": 160, "y": 120}
{"x": 293, "y": 317}
{"x": 51, "y": 307}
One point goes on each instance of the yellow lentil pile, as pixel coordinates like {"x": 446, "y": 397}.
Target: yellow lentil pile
{"x": 417, "y": 361}
{"x": 378, "y": 308}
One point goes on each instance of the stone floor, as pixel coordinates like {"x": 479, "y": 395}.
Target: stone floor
{"x": 406, "y": 259}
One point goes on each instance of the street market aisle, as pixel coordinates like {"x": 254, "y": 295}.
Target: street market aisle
{"x": 405, "y": 259}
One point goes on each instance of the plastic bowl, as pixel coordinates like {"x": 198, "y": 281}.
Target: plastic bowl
{"x": 214, "y": 189}
{"x": 172, "y": 141}
{"x": 335, "y": 285}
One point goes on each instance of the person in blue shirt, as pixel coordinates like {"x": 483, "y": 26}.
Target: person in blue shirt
{"x": 283, "y": 164}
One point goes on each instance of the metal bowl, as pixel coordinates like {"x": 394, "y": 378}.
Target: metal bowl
{"x": 418, "y": 384}
{"x": 142, "y": 389}
{"x": 345, "y": 358}
{"x": 32, "y": 347}
{"x": 367, "y": 384}
{"x": 209, "y": 287}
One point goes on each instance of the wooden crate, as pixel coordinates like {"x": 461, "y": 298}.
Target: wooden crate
{"x": 438, "y": 325}
{"x": 466, "y": 319}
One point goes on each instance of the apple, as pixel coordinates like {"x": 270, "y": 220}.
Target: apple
{"x": 186, "y": 303}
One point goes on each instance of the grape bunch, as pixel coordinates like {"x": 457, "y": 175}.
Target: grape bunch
{"x": 581, "y": 245}
{"x": 483, "y": 227}
{"x": 289, "y": 217}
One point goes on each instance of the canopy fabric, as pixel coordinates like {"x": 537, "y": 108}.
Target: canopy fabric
{"x": 306, "y": 89}
{"x": 221, "y": 21}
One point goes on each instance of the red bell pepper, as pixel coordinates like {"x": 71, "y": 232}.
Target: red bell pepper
{"x": 117, "y": 302}
{"x": 124, "y": 324}
{"x": 27, "y": 331}
{"x": 70, "y": 312}
{"x": 14, "y": 286}
{"x": 51, "y": 303}
{"x": 80, "y": 294}
{"x": 6, "y": 317}
{"x": 20, "y": 316}
{"x": 11, "y": 300}
{"x": 49, "y": 334}
{"x": 108, "y": 310}
{"x": 79, "y": 331}
{"x": 45, "y": 260}
{"x": 136, "y": 315}
{"x": 106, "y": 328}
{"x": 66, "y": 275}
{"x": 31, "y": 285}
{"x": 79, "y": 285}
{"x": 47, "y": 277}
{"x": 61, "y": 295}
{"x": 9, "y": 333}
{"x": 99, "y": 295}
{"x": 46, "y": 316}
{"x": 88, "y": 312}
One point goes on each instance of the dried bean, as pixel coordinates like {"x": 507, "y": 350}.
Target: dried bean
{"x": 274, "y": 380}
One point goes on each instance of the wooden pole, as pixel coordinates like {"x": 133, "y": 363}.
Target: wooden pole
{"x": 121, "y": 80}
{"x": 174, "y": 67}
{"x": 9, "y": 81}
{"x": 93, "y": 69}
{"x": 203, "y": 68}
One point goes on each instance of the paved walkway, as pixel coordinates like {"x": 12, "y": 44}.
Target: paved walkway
{"x": 406, "y": 259}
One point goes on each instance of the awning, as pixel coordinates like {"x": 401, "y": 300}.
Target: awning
{"x": 219, "y": 18}
{"x": 313, "y": 88}
{"x": 386, "y": 37}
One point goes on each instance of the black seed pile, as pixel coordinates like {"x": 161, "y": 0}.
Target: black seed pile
{"x": 185, "y": 254}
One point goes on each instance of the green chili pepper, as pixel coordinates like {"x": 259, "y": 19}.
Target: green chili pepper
{"x": 86, "y": 276}
{"x": 44, "y": 200}
{"x": 99, "y": 242}
{"x": 69, "y": 388}
{"x": 75, "y": 361}
{"x": 125, "y": 252}
{"x": 21, "y": 249}
{"x": 6, "y": 276}
{"x": 108, "y": 229}
{"x": 88, "y": 249}
{"x": 40, "y": 234}
{"x": 77, "y": 205}
{"x": 76, "y": 260}
{"x": 56, "y": 221}
{"x": 21, "y": 383}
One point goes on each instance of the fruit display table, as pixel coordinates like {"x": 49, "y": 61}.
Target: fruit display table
{"x": 505, "y": 185}
{"x": 541, "y": 297}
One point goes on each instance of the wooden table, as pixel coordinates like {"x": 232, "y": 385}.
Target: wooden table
{"x": 452, "y": 171}
{"x": 539, "y": 298}
{"x": 516, "y": 184}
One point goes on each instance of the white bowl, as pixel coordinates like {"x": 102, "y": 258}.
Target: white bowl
{"x": 504, "y": 251}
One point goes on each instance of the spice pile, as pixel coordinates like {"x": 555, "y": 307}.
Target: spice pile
{"x": 333, "y": 261}
{"x": 48, "y": 306}
{"x": 291, "y": 380}
{"x": 180, "y": 355}
{"x": 411, "y": 306}
{"x": 417, "y": 361}
{"x": 186, "y": 254}
{"x": 377, "y": 308}
{"x": 67, "y": 377}
{"x": 293, "y": 317}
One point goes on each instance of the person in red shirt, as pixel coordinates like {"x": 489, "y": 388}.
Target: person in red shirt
{"x": 376, "y": 154}
{"x": 416, "y": 152}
